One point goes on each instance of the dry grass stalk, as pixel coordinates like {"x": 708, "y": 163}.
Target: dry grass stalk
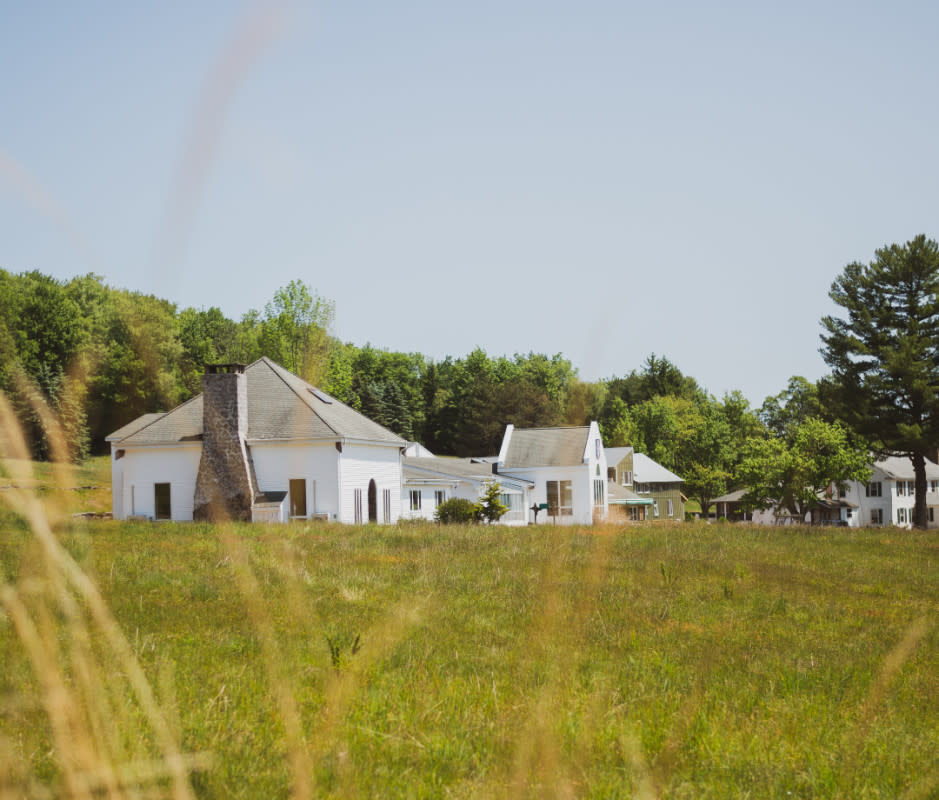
{"x": 83, "y": 716}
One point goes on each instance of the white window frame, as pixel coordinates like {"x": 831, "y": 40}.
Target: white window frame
{"x": 671, "y": 507}
{"x": 386, "y": 503}
{"x": 357, "y": 505}
{"x": 561, "y": 490}
{"x": 415, "y": 498}
{"x": 440, "y": 497}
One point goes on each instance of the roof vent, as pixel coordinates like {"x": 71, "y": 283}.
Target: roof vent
{"x": 319, "y": 395}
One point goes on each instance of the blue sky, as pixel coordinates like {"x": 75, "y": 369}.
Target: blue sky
{"x": 600, "y": 179}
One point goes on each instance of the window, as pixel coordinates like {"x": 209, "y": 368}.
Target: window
{"x": 901, "y": 515}
{"x": 440, "y": 497}
{"x": 931, "y": 509}
{"x": 560, "y": 498}
{"x": 934, "y": 486}
{"x": 386, "y": 503}
{"x": 513, "y": 502}
{"x": 598, "y": 494}
{"x": 850, "y": 513}
{"x": 874, "y": 489}
{"x": 628, "y": 478}
{"x": 161, "y": 501}
{"x": 415, "y": 499}
{"x": 906, "y": 488}
{"x": 877, "y": 516}
{"x": 671, "y": 508}
{"x": 297, "y": 497}
{"x": 357, "y": 505}
{"x": 655, "y": 508}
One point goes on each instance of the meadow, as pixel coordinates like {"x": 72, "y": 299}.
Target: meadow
{"x": 643, "y": 661}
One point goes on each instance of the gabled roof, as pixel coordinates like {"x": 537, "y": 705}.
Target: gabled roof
{"x": 133, "y": 427}
{"x": 616, "y": 454}
{"x": 901, "y": 468}
{"x": 645, "y": 470}
{"x": 280, "y": 406}
{"x": 546, "y": 447}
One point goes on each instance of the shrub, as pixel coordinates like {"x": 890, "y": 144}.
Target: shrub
{"x": 457, "y": 510}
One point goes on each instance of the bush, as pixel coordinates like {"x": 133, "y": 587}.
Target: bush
{"x": 457, "y": 510}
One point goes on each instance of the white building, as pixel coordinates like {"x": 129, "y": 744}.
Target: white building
{"x": 889, "y": 496}
{"x": 430, "y": 481}
{"x": 265, "y": 445}
{"x": 566, "y": 467}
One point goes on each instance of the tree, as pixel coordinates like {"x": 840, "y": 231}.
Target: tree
{"x": 294, "y": 331}
{"x": 793, "y": 474}
{"x": 884, "y": 354}
{"x": 491, "y": 507}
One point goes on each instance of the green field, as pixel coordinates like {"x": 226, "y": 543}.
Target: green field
{"x": 685, "y": 661}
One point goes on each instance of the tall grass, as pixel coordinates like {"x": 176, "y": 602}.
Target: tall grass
{"x": 192, "y": 660}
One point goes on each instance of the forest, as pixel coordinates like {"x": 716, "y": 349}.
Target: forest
{"x": 97, "y": 357}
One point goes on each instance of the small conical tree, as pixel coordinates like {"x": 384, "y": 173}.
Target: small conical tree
{"x": 491, "y": 506}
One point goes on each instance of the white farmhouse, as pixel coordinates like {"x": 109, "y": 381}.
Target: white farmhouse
{"x": 258, "y": 443}
{"x": 888, "y": 498}
{"x": 567, "y": 467}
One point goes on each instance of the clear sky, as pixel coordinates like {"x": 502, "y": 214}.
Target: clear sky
{"x": 600, "y": 179}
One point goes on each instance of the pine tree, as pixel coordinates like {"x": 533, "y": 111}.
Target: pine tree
{"x": 885, "y": 354}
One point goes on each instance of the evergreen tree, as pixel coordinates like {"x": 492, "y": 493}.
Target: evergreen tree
{"x": 884, "y": 354}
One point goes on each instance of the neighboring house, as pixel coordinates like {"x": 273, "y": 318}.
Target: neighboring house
{"x": 567, "y": 467}
{"x": 258, "y": 443}
{"x": 889, "y": 496}
{"x": 730, "y": 507}
{"x": 651, "y": 480}
{"x": 430, "y": 481}
{"x": 619, "y": 469}
{"x": 886, "y": 499}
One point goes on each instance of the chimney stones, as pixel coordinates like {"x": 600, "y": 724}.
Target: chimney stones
{"x": 224, "y": 486}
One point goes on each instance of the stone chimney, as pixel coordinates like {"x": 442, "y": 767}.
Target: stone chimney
{"x": 224, "y": 485}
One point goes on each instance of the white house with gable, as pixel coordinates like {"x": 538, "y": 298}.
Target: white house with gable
{"x": 567, "y": 467}
{"x": 889, "y": 496}
{"x": 259, "y": 443}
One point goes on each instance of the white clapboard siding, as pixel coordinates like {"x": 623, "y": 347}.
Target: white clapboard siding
{"x": 361, "y": 463}
{"x": 144, "y": 467}
{"x": 277, "y": 463}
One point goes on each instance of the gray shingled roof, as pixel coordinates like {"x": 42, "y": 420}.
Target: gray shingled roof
{"x": 132, "y": 427}
{"x": 454, "y": 468}
{"x": 616, "y": 454}
{"x": 900, "y": 468}
{"x": 546, "y": 447}
{"x": 280, "y": 406}
{"x": 731, "y": 497}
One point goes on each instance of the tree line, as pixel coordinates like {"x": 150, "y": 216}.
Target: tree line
{"x": 98, "y": 357}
